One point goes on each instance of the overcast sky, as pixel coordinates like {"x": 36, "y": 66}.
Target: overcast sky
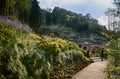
{"x": 96, "y": 8}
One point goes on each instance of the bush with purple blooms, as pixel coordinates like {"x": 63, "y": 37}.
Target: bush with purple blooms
{"x": 24, "y": 55}
{"x": 16, "y": 23}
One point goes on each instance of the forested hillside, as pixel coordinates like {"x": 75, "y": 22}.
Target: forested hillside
{"x": 29, "y": 11}
{"x": 78, "y": 22}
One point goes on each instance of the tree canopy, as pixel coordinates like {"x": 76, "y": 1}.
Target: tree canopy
{"x": 76, "y": 21}
{"x": 30, "y": 12}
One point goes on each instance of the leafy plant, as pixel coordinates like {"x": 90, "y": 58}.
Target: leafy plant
{"x": 113, "y": 67}
{"x": 24, "y": 55}
{"x": 14, "y": 23}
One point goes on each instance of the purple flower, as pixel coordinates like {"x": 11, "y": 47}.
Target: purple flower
{"x": 3, "y": 17}
{"x": 5, "y": 20}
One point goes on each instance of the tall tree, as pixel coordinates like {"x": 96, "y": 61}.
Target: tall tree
{"x": 4, "y": 7}
{"x": 34, "y": 20}
{"x": 23, "y": 9}
{"x": 48, "y": 18}
{"x": 42, "y": 16}
{"x": 12, "y": 7}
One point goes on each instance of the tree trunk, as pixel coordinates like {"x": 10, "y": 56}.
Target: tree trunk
{"x": 4, "y": 7}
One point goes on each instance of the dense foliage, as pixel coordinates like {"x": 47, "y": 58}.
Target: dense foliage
{"x": 76, "y": 21}
{"x": 15, "y": 23}
{"x": 24, "y": 55}
{"x": 35, "y": 15}
{"x": 29, "y": 11}
{"x": 113, "y": 68}
{"x": 56, "y": 45}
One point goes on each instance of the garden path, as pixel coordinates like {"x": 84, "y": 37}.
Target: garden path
{"x": 92, "y": 71}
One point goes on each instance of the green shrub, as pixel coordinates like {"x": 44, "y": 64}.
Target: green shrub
{"x": 113, "y": 67}
{"x": 25, "y": 55}
{"x": 12, "y": 18}
{"x": 56, "y": 45}
{"x": 70, "y": 63}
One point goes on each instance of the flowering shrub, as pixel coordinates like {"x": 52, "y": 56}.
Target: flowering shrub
{"x": 16, "y": 23}
{"x": 56, "y": 45}
{"x": 25, "y": 55}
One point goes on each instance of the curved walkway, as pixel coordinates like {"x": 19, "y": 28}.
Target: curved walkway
{"x": 92, "y": 71}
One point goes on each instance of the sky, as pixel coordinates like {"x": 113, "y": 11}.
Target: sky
{"x": 96, "y": 8}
